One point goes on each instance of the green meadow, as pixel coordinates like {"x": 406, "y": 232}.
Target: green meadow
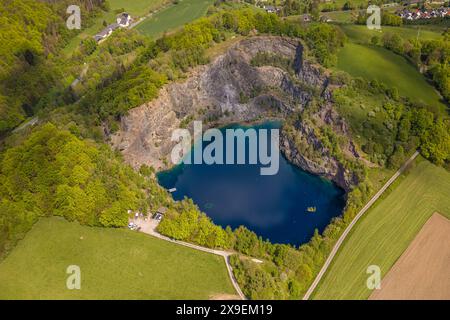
{"x": 341, "y": 16}
{"x": 340, "y": 3}
{"x": 114, "y": 264}
{"x": 137, "y": 7}
{"x": 384, "y": 232}
{"x": 361, "y": 34}
{"x": 174, "y": 17}
{"x": 374, "y": 62}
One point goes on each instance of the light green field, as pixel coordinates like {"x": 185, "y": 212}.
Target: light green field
{"x": 136, "y": 8}
{"x": 340, "y": 3}
{"x": 372, "y": 62}
{"x": 362, "y": 34}
{"x": 174, "y": 17}
{"x": 341, "y": 16}
{"x": 381, "y": 236}
{"x": 115, "y": 264}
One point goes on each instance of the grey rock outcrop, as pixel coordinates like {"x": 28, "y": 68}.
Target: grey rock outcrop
{"x": 230, "y": 89}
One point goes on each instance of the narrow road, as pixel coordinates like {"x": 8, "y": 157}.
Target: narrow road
{"x": 354, "y": 221}
{"x": 148, "y": 226}
{"x": 27, "y": 123}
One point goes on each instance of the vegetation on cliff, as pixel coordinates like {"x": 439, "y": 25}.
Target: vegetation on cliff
{"x": 170, "y": 57}
{"x": 59, "y": 171}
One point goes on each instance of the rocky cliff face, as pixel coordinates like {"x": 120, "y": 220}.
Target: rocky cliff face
{"x": 322, "y": 161}
{"x": 231, "y": 89}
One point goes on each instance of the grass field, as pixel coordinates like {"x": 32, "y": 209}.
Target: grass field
{"x": 137, "y": 8}
{"x": 362, "y": 34}
{"x": 174, "y": 17}
{"x": 383, "y": 234}
{"x": 372, "y": 62}
{"x": 340, "y": 3}
{"x": 115, "y": 264}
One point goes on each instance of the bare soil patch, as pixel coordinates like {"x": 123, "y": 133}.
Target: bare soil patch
{"x": 423, "y": 270}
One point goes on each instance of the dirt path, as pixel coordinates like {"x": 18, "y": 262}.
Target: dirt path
{"x": 148, "y": 226}
{"x": 351, "y": 225}
{"x": 27, "y": 123}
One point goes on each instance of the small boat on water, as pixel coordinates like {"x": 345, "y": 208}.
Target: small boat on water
{"x": 311, "y": 209}
{"x": 172, "y": 190}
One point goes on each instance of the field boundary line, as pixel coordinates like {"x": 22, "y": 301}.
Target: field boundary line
{"x": 352, "y": 224}
{"x": 222, "y": 253}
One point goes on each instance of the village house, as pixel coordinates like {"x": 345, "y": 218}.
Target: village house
{"x": 416, "y": 14}
{"x": 271, "y": 9}
{"x": 122, "y": 21}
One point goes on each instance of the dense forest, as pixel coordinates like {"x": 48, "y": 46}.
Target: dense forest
{"x": 32, "y": 33}
{"x": 52, "y": 172}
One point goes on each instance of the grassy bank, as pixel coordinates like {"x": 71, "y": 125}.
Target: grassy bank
{"x": 115, "y": 264}
{"x": 174, "y": 17}
{"x": 362, "y": 34}
{"x": 372, "y": 62}
{"x": 382, "y": 235}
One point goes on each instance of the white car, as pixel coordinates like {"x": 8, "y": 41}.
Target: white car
{"x": 132, "y": 226}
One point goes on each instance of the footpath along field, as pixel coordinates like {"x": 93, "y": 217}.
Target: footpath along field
{"x": 384, "y": 233}
{"x": 114, "y": 263}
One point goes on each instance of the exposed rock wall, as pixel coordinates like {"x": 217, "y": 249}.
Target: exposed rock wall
{"x": 214, "y": 93}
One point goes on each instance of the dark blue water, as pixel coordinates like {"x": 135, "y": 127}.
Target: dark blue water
{"x": 274, "y": 207}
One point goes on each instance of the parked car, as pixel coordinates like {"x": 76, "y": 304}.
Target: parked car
{"x": 132, "y": 226}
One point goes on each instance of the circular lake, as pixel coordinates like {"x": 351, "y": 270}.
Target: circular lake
{"x": 275, "y": 207}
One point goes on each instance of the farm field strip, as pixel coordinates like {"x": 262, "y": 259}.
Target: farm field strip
{"x": 423, "y": 270}
{"x": 384, "y": 233}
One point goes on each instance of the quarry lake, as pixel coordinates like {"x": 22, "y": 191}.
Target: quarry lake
{"x": 285, "y": 208}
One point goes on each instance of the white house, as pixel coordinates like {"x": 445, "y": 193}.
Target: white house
{"x": 123, "y": 21}
{"x": 271, "y": 9}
